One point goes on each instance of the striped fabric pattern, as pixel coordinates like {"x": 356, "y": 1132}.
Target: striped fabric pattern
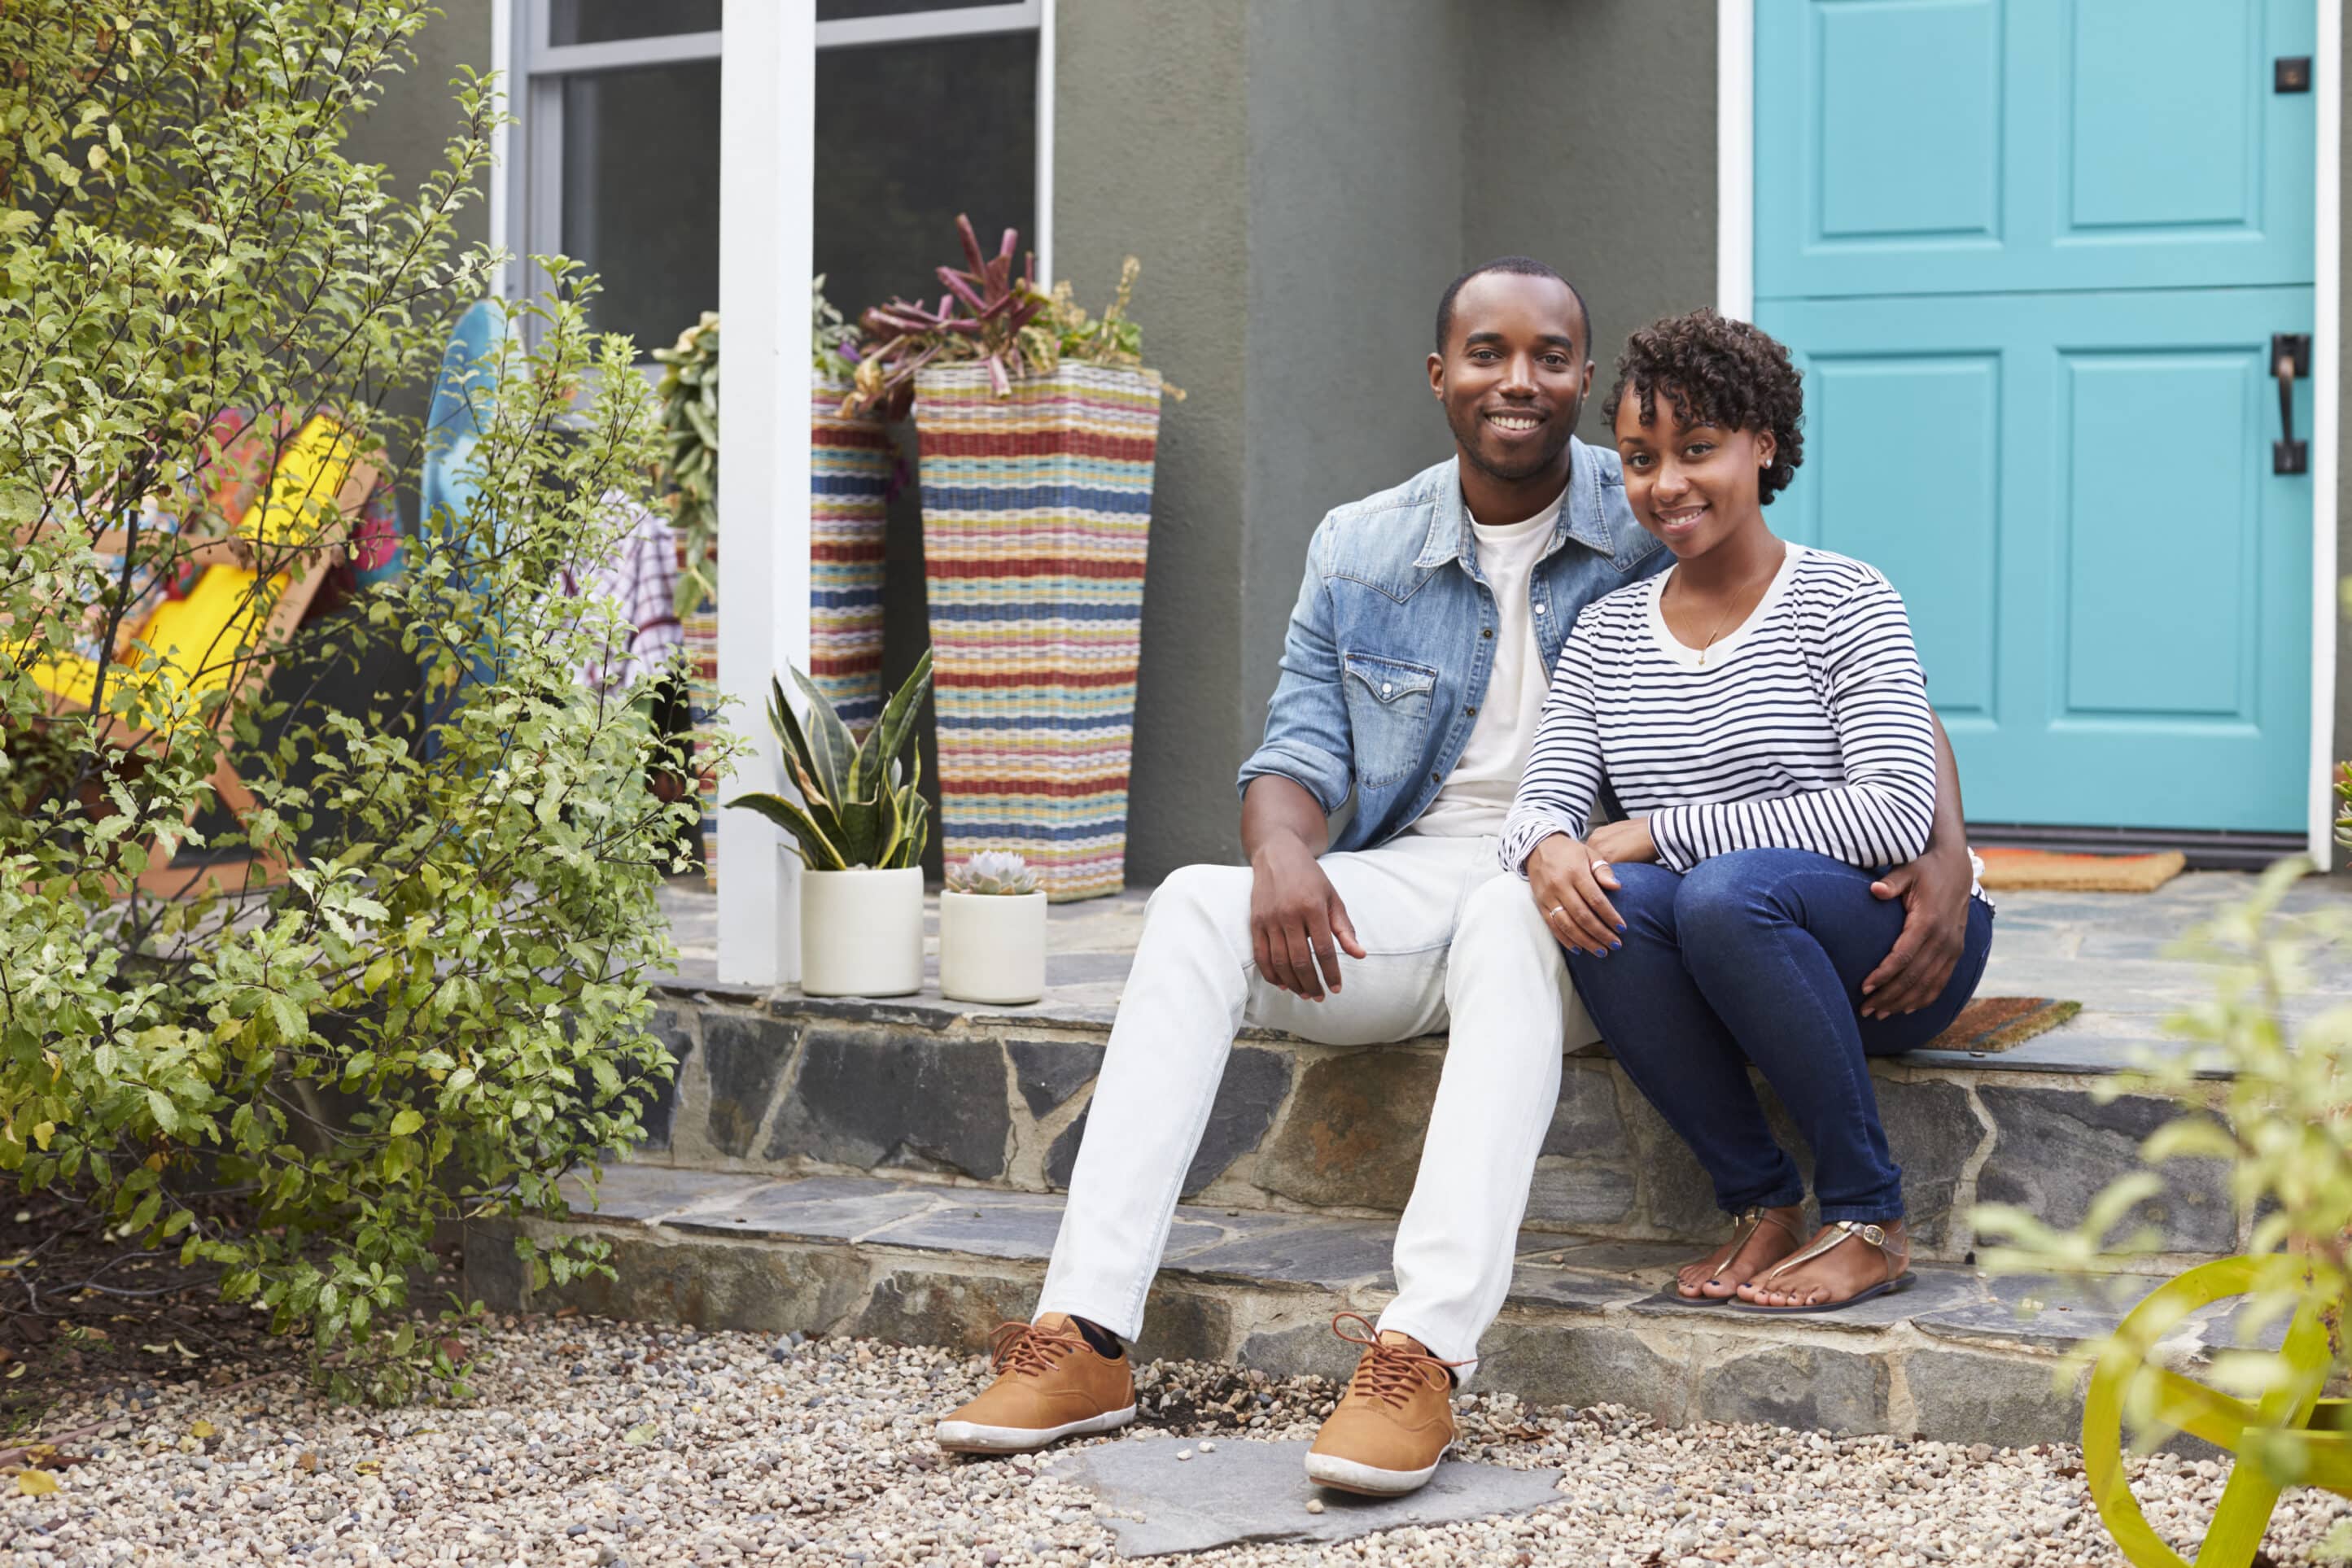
{"x": 850, "y": 463}
{"x": 699, "y": 630}
{"x": 1807, "y": 729}
{"x": 1036, "y": 510}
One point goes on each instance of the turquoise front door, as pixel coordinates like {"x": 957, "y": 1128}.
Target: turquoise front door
{"x": 2032, "y": 255}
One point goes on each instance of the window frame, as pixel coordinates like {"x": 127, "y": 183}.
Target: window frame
{"x": 527, "y": 195}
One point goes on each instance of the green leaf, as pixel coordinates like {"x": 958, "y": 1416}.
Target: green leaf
{"x": 817, "y": 851}
{"x": 800, "y": 756}
{"x": 896, "y": 728}
{"x": 835, "y": 752}
{"x": 406, "y": 1121}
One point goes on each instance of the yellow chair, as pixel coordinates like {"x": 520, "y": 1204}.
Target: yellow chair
{"x": 225, "y": 631}
{"x": 2289, "y": 1436}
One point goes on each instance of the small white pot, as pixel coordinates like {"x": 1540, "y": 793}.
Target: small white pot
{"x": 862, "y": 932}
{"x": 993, "y": 946}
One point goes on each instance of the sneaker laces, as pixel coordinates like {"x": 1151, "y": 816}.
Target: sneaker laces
{"x": 1027, "y": 1349}
{"x": 1389, "y": 1373}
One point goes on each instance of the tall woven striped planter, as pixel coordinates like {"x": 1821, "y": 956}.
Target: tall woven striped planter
{"x": 1036, "y": 510}
{"x": 850, "y": 460}
{"x": 850, "y": 463}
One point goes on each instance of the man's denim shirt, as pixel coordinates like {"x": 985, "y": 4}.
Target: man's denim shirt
{"x": 1393, "y": 640}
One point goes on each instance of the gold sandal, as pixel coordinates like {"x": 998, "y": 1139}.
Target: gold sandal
{"x": 1743, "y": 1228}
{"x": 1897, "y": 1256}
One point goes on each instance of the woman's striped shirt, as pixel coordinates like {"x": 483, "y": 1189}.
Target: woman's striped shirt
{"x": 1806, "y": 728}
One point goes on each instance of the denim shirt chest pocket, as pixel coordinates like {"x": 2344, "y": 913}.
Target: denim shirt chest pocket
{"x": 1388, "y": 702}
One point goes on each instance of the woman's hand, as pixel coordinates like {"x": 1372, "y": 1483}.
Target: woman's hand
{"x": 1569, "y": 886}
{"x": 1628, "y": 842}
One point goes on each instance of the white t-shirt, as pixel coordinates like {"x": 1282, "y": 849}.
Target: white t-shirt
{"x": 1477, "y": 796}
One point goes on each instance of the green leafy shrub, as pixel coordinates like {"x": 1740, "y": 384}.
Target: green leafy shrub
{"x": 441, "y": 1011}
{"x": 2263, "y": 1082}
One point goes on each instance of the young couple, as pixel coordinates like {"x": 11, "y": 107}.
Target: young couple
{"x": 1786, "y": 884}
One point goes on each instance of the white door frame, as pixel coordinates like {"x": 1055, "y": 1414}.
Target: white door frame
{"x": 1735, "y": 295}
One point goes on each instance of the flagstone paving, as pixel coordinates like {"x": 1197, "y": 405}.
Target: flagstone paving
{"x": 2111, "y": 952}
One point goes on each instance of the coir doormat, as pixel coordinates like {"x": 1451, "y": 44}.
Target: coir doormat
{"x": 2017, "y": 871}
{"x": 2001, "y": 1023}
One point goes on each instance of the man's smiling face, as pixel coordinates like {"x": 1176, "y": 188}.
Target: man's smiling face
{"x": 1514, "y": 374}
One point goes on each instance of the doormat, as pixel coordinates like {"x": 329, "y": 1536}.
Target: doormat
{"x": 2043, "y": 871}
{"x": 2001, "y": 1023}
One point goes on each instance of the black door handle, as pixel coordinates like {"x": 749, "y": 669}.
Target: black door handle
{"x": 2290, "y": 362}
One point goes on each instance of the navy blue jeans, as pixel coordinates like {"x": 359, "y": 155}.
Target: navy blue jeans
{"x": 1759, "y": 957}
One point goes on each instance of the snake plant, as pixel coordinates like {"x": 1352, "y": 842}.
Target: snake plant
{"x": 860, "y": 806}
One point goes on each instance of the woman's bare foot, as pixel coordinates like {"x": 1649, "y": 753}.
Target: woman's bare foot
{"x": 1761, "y": 1238}
{"x": 1855, "y": 1265}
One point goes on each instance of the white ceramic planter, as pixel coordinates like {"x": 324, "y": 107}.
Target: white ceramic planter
{"x": 862, "y": 932}
{"x": 993, "y": 946}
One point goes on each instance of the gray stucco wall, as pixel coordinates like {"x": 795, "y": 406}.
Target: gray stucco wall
{"x": 1566, "y": 157}
{"x": 418, "y": 114}
{"x": 1302, "y": 179}
{"x": 1356, "y": 207}
{"x": 1151, "y": 158}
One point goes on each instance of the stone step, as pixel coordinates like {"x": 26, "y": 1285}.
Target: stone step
{"x": 782, "y": 1084}
{"x": 915, "y": 1259}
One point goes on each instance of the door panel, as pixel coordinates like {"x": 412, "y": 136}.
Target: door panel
{"x": 1973, "y": 146}
{"x": 2136, "y": 159}
{"x": 1909, "y": 122}
{"x": 1883, "y": 405}
{"x": 2132, "y": 526}
{"x": 2109, "y": 588}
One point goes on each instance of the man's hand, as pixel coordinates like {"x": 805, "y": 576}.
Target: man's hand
{"x": 1934, "y": 893}
{"x": 1298, "y": 927}
{"x": 1628, "y": 842}
{"x": 1571, "y": 887}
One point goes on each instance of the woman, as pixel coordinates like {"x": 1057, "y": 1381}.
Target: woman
{"x": 1759, "y": 710}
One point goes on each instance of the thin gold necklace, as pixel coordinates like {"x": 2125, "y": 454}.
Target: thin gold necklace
{"x": 1726, "y": 616}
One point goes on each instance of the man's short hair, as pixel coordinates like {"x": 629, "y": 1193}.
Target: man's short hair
{"x": 1519, "y": 267}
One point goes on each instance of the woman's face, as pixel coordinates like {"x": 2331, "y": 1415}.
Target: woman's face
{"x": 1690, "y": 485}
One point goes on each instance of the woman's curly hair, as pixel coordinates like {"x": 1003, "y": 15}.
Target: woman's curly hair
{"x": 1720, "y": 373}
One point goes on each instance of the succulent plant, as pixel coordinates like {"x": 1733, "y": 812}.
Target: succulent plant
{"x": 980, "y": 318}
{"x": 998, "y": 872}
{"x": 859, "y": 805}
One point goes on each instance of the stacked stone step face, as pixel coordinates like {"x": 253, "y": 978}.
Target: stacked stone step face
{"x": 928, "y": 1092}
{"x": 912, "y": 1260}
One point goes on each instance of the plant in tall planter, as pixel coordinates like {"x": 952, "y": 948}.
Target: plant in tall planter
{"x": 851, "y": 461}
{"x": 1038, "y": 428}
{"x": 860, "y": 827}
{"x": 993, "y": 932}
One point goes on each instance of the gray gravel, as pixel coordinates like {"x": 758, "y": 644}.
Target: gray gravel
{"x": 609, "y": 1443}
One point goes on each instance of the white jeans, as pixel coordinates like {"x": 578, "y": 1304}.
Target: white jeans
{"x": 1448, "y": 938}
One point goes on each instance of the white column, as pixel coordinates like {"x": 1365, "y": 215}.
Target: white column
{"x": 767, "y": 160}
{"x": 1735, "y": 159}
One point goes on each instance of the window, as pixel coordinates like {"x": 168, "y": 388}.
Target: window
{"x": 925, "y": 109}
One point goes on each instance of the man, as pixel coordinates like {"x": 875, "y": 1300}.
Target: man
{"x": 1412, "y": 676}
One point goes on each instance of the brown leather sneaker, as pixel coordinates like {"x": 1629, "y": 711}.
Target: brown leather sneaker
{"x": 1050, "y": 1384}
{"x": 1394, "y": 1423}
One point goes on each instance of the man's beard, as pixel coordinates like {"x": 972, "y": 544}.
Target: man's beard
{"x": 1539, "y": 462}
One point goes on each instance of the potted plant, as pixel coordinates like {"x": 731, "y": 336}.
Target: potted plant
{"x": 860, "y": 827}
{"x": 1038, "y": 427}
{"x": 993, "y": 932}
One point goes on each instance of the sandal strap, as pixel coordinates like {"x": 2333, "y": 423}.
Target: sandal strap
{"x": 1743, "y": 1228}
{"x": 1844, "y": 1230}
